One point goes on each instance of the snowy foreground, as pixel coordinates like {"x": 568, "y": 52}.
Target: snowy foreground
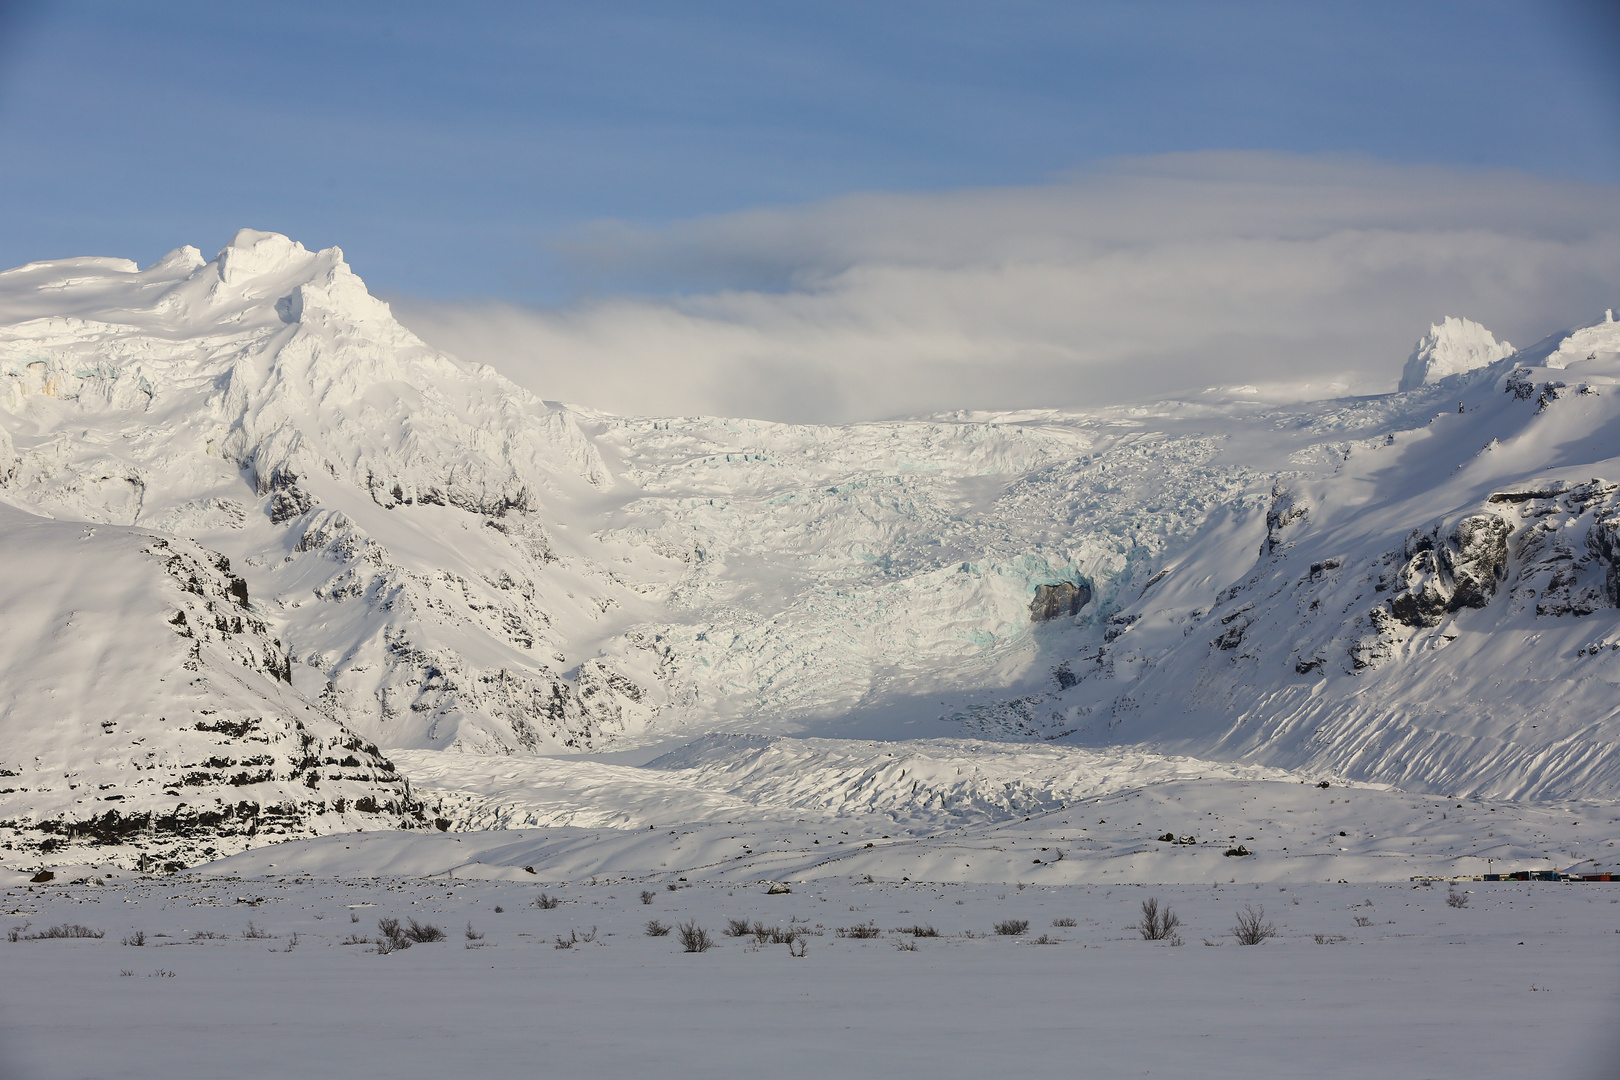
{"x": 255, "y": 977}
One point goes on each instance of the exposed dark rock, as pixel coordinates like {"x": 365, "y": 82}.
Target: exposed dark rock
{"x": 1519, "y": 385}
{"x": 289, "y": 503}
{"x": 1056, "y": 601}
{"x": 1287, "y": 508}
{"x": 1447, "y": 571}
{"x": 1603, "y": 540}
{"x": 1117, "y": 625}
{"x": 1236, "y": 623}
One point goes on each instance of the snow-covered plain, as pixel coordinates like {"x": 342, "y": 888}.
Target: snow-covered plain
{"x": 1524, "y": 980}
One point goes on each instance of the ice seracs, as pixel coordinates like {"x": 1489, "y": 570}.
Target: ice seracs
{"x": 1451, "y": 347}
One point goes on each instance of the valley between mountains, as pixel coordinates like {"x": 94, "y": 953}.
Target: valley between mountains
{"x": 275, "y": 569}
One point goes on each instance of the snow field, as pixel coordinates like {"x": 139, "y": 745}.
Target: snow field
{"x": 958, "y": 810}
{"x": 1523, "y": 980}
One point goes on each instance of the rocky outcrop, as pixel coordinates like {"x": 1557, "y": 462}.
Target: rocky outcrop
{"x": 1604, "y": 541}
{"x": 1448, "y": 570}
{"x": 1288, "y": 508}
{"x": 1066, "y": 598}
{"x": 1566, "y": 547}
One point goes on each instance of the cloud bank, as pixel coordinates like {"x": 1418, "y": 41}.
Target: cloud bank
{"x": 1148, "y": 278}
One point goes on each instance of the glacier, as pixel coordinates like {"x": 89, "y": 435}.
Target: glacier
{"x": 415, "y": 587}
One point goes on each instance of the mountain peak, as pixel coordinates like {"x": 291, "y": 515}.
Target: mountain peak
{"x": 252, "y": 253}
{"x": 1451, "y": 347}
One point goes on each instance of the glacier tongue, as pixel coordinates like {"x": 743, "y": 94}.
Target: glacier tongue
{"x": 1386, "y": 589}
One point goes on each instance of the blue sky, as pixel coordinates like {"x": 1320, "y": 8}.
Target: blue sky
{"x": 446, "y": 147}
{"x": 842, "y": 210}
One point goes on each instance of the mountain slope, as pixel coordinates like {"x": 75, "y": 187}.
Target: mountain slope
{"x": 1439, "y": 613}
{"x": 1414, "y": 589}
{"x": 145, "y": 712}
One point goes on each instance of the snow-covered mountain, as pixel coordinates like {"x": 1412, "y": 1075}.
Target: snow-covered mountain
{"x": 1451, "y": 347}
{"x": 409, "y": 555}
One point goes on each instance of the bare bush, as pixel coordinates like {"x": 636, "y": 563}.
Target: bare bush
{"x": 1362, "y": 920}
{"x": 1330, "y": 939}
{"x": 546, "y": 901}
{"x": 906, "y": 945}
{"x": 694, "y": 938}
{"x": 917, "y": 931}
{"x": 1012, "y": 927}
{"x": 647, "y": 896}
{"x": 473, "y": 935}
{"x": 65, "y": 930}
{"x": 393, "y": 936}
{"x": 1157, "y": 925}
{"x": 1046, "y": 939}
{"x": 799, "y": 948}
{"x": 1456, "y": 899}
{"x": 567, "y": 942}
{"x": 422, "y": 932}
{"x": 1252, "y": 928}
{"x": 869, "y": 930}
{"x": 1064, "y": 922}
{"x": 208, "y": 935}
{"x": 657, "y": 929}
{"x": 255, "y": 932}
{"x": 737, "y": 928}
{"x": 137, "y": 938}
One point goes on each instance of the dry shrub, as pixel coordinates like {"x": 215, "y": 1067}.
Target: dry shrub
{"x": 1251, "y": 928}
{"x": 694, "y": 938}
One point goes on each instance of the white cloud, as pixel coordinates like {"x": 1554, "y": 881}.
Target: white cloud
{"x": 1148, "y": 278}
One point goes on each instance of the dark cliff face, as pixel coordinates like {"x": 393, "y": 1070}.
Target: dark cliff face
{"x": 1448, "y": 571}
{"x": 1056, "y": 601}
